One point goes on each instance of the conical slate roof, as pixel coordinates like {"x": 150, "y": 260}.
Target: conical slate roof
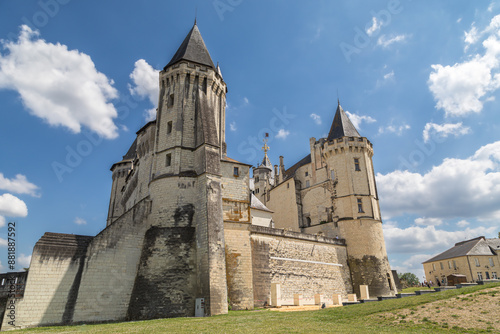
{"x": 342, "y": 126}
{"x": 193, "y": 49}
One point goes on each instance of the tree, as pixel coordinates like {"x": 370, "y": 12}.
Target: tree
{"x": 408, "y": 279}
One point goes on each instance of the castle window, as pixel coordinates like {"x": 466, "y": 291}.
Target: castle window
{"x": 168, "y": 161}
{"x": 454, "y": 265}
{"x": 449, "y": 264}
{"x": 170, "y": 100}
{"x": 168, "y": 82}
{"x": 356, "y": 165}
{"x": 441, "y": 264}
{"x": 332, "y": 174}
{"x": 479, "y": 276}
{"x": 307, "y": 173}
{"x": 433, "y": 266}
{"x": 236, "y": 171}
{"x": 169, "y": 127}
{"x": 308, "y": 221}
{"x": 360, "y": 205}
{"x": 492, "y": 264}
{"x": 287, "y": 185}
{"x": 307, "y": 184}
{"x": 494, "y": 275}
{"x": 476, "y": 260}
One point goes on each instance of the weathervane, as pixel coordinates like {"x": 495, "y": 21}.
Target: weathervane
{"x": 265, "y": 147}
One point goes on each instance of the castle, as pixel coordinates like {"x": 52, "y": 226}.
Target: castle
{"x": 187, "y": 223}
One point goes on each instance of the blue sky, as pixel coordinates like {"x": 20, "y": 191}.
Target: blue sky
{"x": 420, "y": 80}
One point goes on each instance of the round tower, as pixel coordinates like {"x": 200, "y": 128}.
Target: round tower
{"x": 348, "y": 157}
{"x": 263, "y": 176}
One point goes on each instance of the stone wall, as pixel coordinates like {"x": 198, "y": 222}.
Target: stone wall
{"x": 301, "y": 263}
{"x": 55, "y": 273}
{"x": 283, "y": 202}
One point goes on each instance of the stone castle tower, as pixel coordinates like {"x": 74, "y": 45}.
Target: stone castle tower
{"x": 334, "y": 194}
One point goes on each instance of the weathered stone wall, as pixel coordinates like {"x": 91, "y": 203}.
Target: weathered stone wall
{"x": 367, "y": 256}
{"x": 111, "y": 267}
{"x": 51, "y": 290}
{"x": 235, "y": 187}
{"x": 261, "y": 217}
{"x": 239, "y": 265}
{"x": 306, "y": 278}
{"x": 283, "y": 202}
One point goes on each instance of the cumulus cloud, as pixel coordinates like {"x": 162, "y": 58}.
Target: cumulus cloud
{"x": 356, "y": 119}
{"x": 145, "y": 85}
{"x": 316, "y": 118}
{"x": 282, "y": 133}
{"x": 375, "y": 27}
{"x": 462, "y": 88}
{"x": 2, "y": 221}
{"x": 385, "y": 41}
{"x": 428, "y": 221}
{"x": 80, "y": 221}
{"x": 457, "y": 188}
{"x": 389, "y": 76}
{"x": 232, "y": 126}
{"x": 444, "y": 130}
{"x": 392, "y": 128}
{"x": 416, "y": 239}
{"x": 58, "y": 85}
{"x": 3, "y": 243}
{"x": 24, "y": 260}
{"x": 11, "y": 206}
{"x": 463, "y": 223}
{"x": 18, "y": 185}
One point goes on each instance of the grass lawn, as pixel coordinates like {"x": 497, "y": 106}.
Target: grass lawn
{"x": 362, "y": 318}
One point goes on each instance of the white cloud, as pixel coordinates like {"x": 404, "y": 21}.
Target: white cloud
{"x": 282, "y": 133}
{"x": 457, "y": 188}
{"x": 385, "y": 41}
{"x": 444, "y": 130}
{"x": 471, "y": 36}
{"x": 2, "y": 221}
{"x": 316, "y": 118}
{"x": 80, "y": 221}
{"x": 3, "y": 242}
{"x": 389, "y": 75}
{"x": 11, "y": 206}
{"x": 356, "y": 119}
{"x": 463, "y": 88}
{"x": 246, "y": 101}
{"x": 232, "y": 126}
{"x": 391, "y": 128}
{"x": 463, "y": 223}
{"x": 375, "y": 27}
{"x": 18, "y": 185}
{"x": 416, "y": 239}
{"x": 428, "y": 221}
{"x": 24, "y": 260}
{"x": 491, "y": 6}
{"x": 60, "y": 86}
{"x": 145, "y": 79}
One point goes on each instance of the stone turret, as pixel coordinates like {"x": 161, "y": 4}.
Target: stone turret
{"x": 264, "y": 176}
{"x": 187, "y": 236}
{"x": 348, "y": 159}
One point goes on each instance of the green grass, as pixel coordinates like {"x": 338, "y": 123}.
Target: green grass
{"x": 362, "y": 318}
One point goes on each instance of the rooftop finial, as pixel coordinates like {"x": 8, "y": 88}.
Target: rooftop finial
{"x": 195, "y": 14}
{"x": 265, "y": 147}
{"x": 338, "y": 99}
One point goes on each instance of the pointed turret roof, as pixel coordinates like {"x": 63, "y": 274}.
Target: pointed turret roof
{"x": 342, "y": 126}
{"x": 193, "y": 49}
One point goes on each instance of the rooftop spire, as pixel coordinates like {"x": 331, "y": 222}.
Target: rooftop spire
{"x": 193, "y": 49}
{"x": 341, "y": 125}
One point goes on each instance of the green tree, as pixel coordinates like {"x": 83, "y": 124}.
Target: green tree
{"x": 408, "y": 279}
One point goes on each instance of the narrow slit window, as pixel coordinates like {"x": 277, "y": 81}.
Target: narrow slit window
{"x": 360, "y": 205}
{"x": 356, "y": 165}
{"x": 168, "y": 160}
{"x": 169, "y": 127}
